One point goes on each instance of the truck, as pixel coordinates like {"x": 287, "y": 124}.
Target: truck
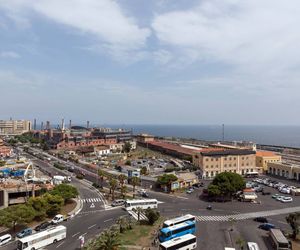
{"x": 58, "y": 179}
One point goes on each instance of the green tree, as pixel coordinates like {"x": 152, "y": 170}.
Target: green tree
{"x": 166, "y": 180}
{"x": 128, "y": 163}
{"x": 107, "y": 240}
{"x": 101, "y": 174}
{"x": 122, "y": 222}
{"x": 66, "y": 191}
{"x": 144, "y": 170}
{"x": 240, "y": 242}
{"x": 152, "y": 215}
{"x": 2, "y": 163}
{"x": 134, "y": 182}
{"x": 127, "y": 147}
{"x": 40, "y": 205}
{"x": 112, "y": 187}
{"x": 227, "y": 183}
{"x": 214, "y": 190}
{"x": 16, "y": 215}
{"x": 292, "y": 219}
{"x": 55, "y": 203}
{"x": 123, "y": 191}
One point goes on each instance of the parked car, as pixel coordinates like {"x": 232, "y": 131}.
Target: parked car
{"x": 261, "y": 219}
{"x": 265, "y": 192}
{"x": 274, "y": 196}
{"x": 145, "y": 195}
{"x": 24, "y": 232}
{"x": 57, "y": 219}
{"x": 42, "y": 226}
{"x": 189, "y": 191}
{"x": 266, "y": 226}
{"x": 5, "y": 239}
{"x": 286, "y": 199}
{"x": 117, "y": 203}
{"x": 279, "y": 198}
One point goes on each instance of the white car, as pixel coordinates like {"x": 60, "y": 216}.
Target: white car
{"x": 285, "y": 190}
{"x": 57, "y": 219}
{"x": 286, "y": 199}
{"x": 280, "y": 197}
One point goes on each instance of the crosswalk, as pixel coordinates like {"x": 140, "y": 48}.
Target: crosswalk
{"x": 91, "y": 200}
{"x": 136, "y": 216}
{"x": 244, "y": 216}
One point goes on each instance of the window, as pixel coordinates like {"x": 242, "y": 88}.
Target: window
{"x": 242, "y": 158}
{"x": 225, "y": 165}
{"x": 242, "y": 164}
{"x": 206, "y": 159}
{"x": 230, "y": 165}
{"x": 216, "y": 159}
{"x": 225, "y": 159}
{"x": 211, "y": 159}
{"x": 230, "y": 158}
{"x": 234, "y": 158}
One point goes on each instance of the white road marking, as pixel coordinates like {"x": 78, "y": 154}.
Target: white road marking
{"x": 92, "y": 226}
{"x": 108, "y": 220}
{"x": 75, "y": 234}
{"x": 60, "y": 244}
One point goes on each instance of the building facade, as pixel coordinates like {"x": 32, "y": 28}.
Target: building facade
{"x": 213, "y": 161}
{"x": 14, "y": 127}
{"x": 285, "y": 170}
{"x": 265, "y": 157}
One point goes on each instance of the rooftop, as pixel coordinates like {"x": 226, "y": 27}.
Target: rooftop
{"x": 265, "y": 153}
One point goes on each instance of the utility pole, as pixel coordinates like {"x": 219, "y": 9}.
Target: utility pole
{"x": 223, "y": 132}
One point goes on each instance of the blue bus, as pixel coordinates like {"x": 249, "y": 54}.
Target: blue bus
{"x": 168, "y": 233}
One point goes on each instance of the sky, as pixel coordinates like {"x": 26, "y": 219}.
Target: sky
{"x": 151, "y": 61}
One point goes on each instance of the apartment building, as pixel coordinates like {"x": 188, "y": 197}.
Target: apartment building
{"x": 14, "y": 127}
{"x": 212, "y": 161}
{"x": 265, "y": 157}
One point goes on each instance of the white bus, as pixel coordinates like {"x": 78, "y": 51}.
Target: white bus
{"x": 178, "y": 220}
{"x": 42, "y": 239}
{"x": 144, "y": 204}
{"x": 279, "y": 241}
{"x": 252, "y": 246}
{"x": 185, "y": 242}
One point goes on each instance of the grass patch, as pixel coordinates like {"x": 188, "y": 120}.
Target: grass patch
{"x": 140, "y": 235}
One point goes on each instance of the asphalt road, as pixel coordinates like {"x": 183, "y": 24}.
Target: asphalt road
{"x": 212, "y": 233}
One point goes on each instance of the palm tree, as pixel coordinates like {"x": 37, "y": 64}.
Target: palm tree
{"x": 122, "y": 222}
{"x": 112, "y": 187}
{"x": 123, "y": 191}
{"x": 101, "y": 174}
{"x": 134, "y": 182}
{"x": 240, "y": 242}
{"x": 122, "y": 179}
{"x": 292, "y": 219}
{"x": 109, "y": 240}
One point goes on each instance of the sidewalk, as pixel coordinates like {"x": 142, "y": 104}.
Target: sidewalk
{"x": 77, "y": 209}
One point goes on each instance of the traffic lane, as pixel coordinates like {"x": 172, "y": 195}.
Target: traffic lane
{"x": 89, "y": 225}
{"x": 212, "y": 236}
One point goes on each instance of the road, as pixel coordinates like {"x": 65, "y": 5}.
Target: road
{"x": 212, "y": 225}
{"x": 93, "y": 218}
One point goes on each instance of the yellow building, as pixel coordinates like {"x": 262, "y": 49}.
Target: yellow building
{"x": 212, "y": 161}
{"x": 265, "y": 157}
{"x": 284, "y": 169}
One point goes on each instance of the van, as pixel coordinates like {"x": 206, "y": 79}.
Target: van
{"x": 57, "y": 219}
{"x": 5, "y": 239}
{"x": 116, "y": 203}
{"x": 252, "y": 246}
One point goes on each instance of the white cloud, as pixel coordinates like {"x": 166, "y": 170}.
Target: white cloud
{"x": 9, "y": 54}
{"x": 104, "y": 19}
{"x": 249, "y": 34}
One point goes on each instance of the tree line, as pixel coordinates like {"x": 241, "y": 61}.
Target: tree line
{"x": 37, "y": 208}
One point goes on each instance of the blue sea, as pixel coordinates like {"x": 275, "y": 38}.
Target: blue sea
{"x": 271, "y": 135}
